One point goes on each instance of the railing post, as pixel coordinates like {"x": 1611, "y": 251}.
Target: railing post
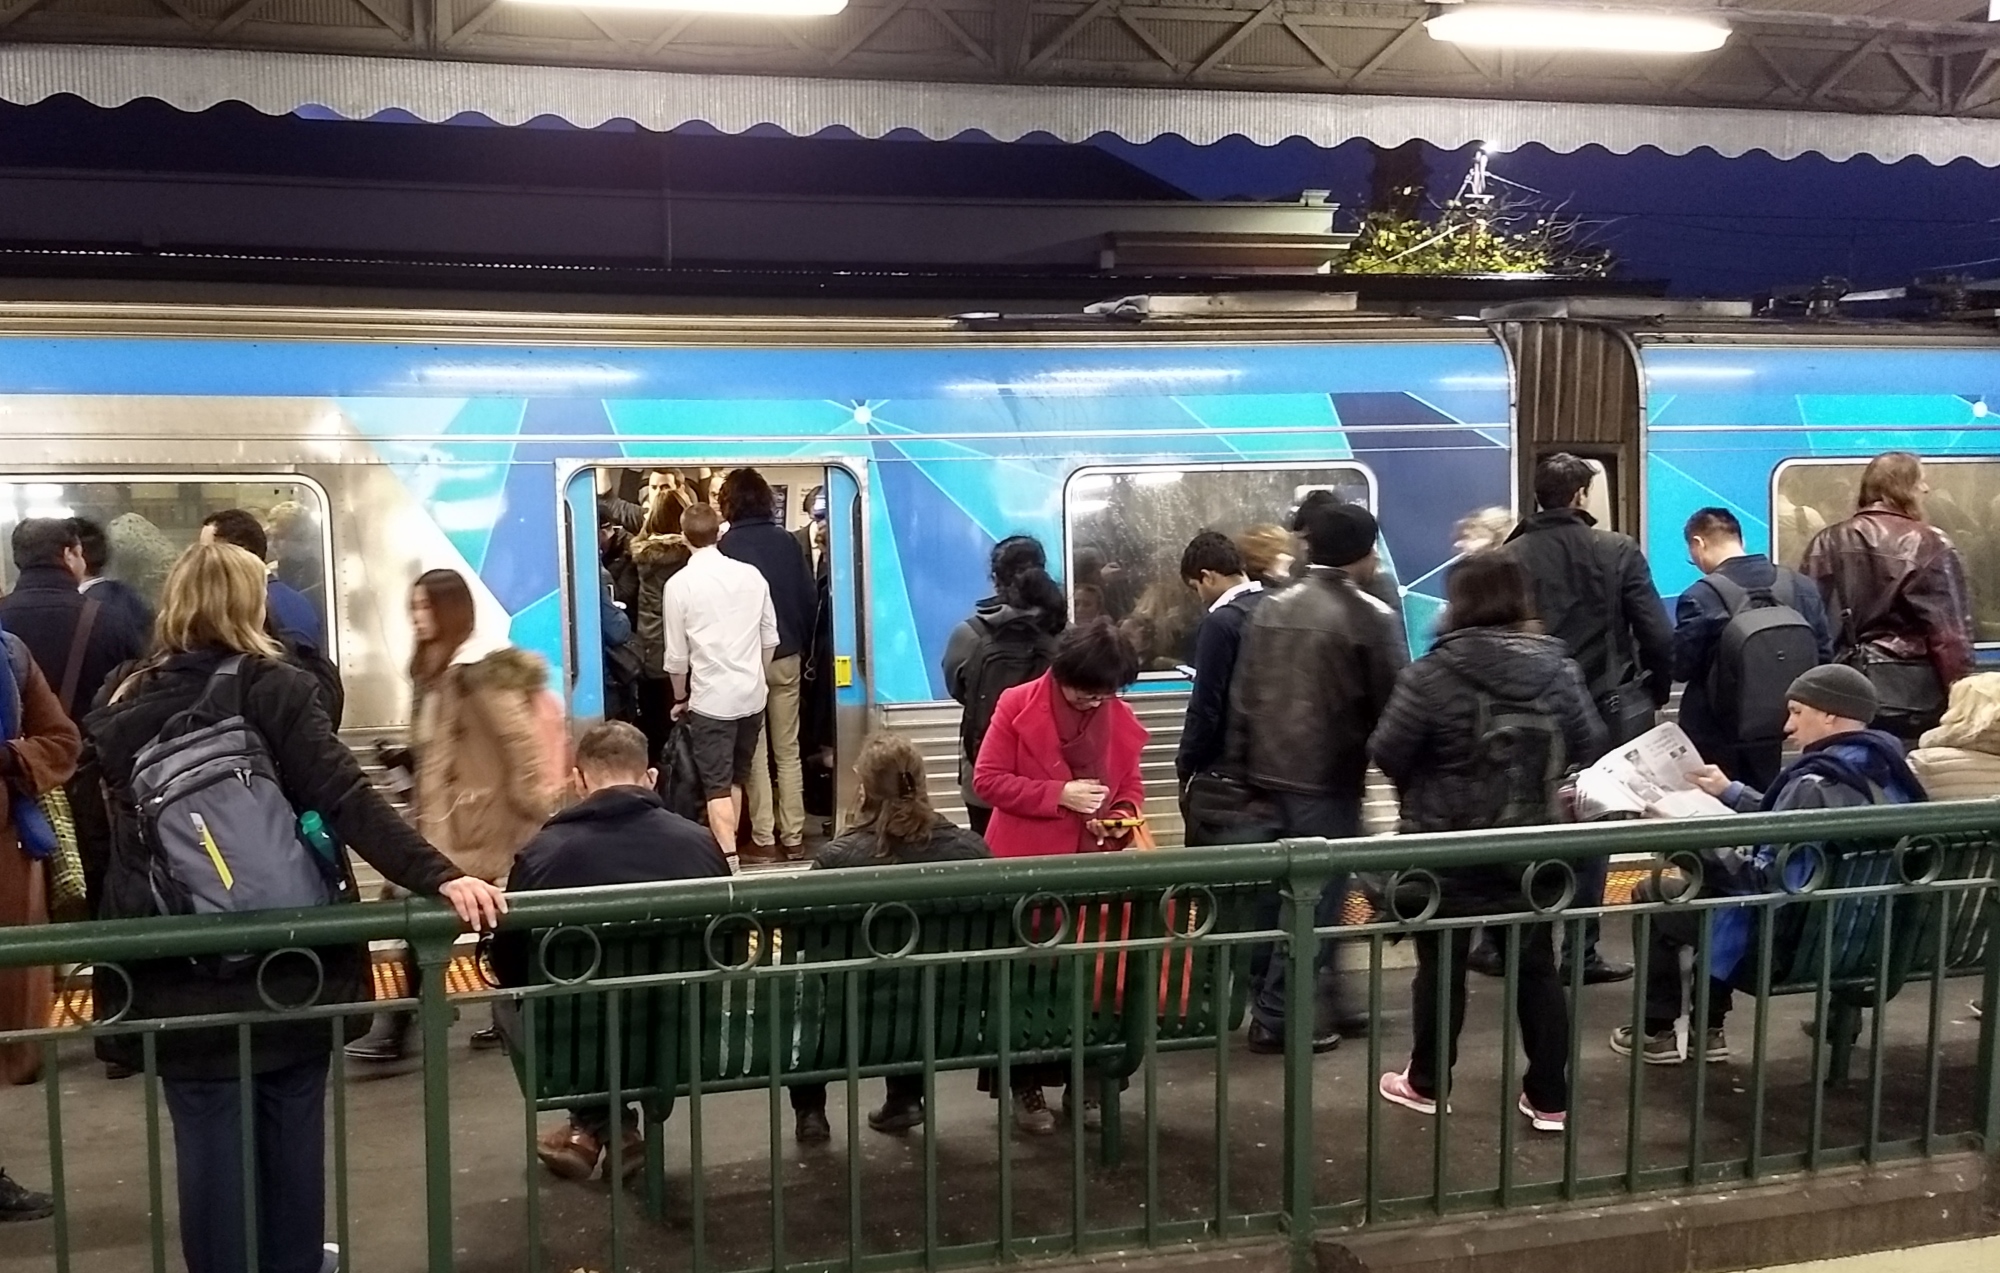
{"x": 1300, "y": 891}
{"x": 433, "y": 950}
{"x": 1989, "y": 1037}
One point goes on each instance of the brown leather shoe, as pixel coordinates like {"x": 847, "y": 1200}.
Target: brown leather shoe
{"x": 571, "y": 1152}
{"x": 632, "y": 1154}
{"x": 759, "y": 855}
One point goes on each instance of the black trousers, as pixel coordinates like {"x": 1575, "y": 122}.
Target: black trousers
{"x": 900, "y": 1089}
{"x": 656, "y": 703}
{"x": 1538, "y": 1005}
{"x": 979, "y": 816}
{"x": 288, "y": 1111}
{"x": 1666, "y": 986}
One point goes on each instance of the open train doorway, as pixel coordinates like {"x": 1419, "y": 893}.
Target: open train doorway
{"x": 626, "y": 542}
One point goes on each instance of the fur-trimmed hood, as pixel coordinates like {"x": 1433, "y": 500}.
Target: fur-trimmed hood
{"x": 508, "y": 668}
{"x": 659, "y": 552}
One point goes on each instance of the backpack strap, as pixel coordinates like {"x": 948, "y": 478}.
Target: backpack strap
{"x": 1785, "y": 588}
{"x": 79, "y": 642}
{"x": 222, "y": 697}
{"x": 1734, "y": 595}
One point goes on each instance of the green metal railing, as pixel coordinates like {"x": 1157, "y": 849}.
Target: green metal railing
{"x": 1130, "y": 972}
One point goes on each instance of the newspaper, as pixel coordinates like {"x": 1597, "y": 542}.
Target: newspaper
{"x": 1647, "y": 776}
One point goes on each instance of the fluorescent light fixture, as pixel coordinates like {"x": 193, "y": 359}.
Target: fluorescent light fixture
{"x": 739, "y": 8}
{"x": 1512, "y": 26}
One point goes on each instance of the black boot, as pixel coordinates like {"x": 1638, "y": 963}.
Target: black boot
{"x": 385, "y": 1041}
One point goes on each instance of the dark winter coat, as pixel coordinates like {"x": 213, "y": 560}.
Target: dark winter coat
{"x": 766, "y": 545}
{"x": 1570, "y": 563}
{"x": 948, "y": 842}
{"x": 318, "y": 774}
{"x": 658, "y": 558}
{"x": 44, "y": 610}
{"x": 1427, "y": 743}
{"x": 1217, "y": 644}
{"x": 988, "y": 617}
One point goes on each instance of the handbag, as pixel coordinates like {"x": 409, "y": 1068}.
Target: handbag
{"x": 63, "y": 868}
{"x": 1910, "y": 697}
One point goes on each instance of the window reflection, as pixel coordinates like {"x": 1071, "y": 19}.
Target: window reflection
{"x": 1127, "y": 528}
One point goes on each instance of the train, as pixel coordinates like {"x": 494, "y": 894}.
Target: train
{"x": 381, "y": 443}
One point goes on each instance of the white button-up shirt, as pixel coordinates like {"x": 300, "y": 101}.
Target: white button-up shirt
{"x": 1248, "y": 585}
{"x": 719, "y": 628}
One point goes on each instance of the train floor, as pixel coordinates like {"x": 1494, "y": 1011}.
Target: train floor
{"x": 104, "y": 1132}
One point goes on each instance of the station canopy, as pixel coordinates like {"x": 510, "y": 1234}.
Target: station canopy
{"x": 1889, "y": 79}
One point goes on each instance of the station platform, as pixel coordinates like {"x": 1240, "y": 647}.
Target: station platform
{"x": 382, "y": 1197}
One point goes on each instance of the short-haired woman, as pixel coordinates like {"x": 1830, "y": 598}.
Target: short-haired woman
{"x": 212, "y": 610}
{"x": 896, "y": 824}
{"x": 1479, "y": 733}
{"x": 1896, "y": 586}
{"x": 1060, "y": 766}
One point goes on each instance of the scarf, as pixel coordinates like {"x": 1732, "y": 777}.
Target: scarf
{"x": 1085, "y": 738}
{"x": 31, "y": 825}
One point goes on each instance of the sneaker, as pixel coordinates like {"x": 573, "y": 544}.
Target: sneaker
{"x": 1272, "y": 1042}
{"x": 1032, "y": 1114}
{"x": 569, "y": 1151}
{"x": 329, "y": 1258}
{"x": 1395, "y": 1089}
{"x": 1093, "y": 1114}
{"x": 1717, "y": 1045}
{"x": 19, "y": 1203}
{"x": 1659, "y": 1049}
{"x": 812, "y": 1128}
{"x": 1539, "y": 1120}
{"x": 487, "y": 1039}
{"x": 1486, "y": 960}
{"x": 895, "y": 1117}
{"x": 631, "y": 1152}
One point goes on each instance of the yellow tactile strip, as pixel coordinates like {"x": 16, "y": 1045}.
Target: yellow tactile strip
{"x": 463, "y": 976}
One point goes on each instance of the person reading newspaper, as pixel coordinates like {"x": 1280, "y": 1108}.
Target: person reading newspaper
{"x": 1842, "y": 764}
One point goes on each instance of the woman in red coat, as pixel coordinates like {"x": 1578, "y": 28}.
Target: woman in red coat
{"x": 1060, "y": 760}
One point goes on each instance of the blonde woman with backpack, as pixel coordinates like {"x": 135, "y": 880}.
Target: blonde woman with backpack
{"x": 215, "y": 656}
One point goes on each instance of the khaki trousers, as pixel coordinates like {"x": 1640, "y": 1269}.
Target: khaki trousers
{"x": 786, "y": 823}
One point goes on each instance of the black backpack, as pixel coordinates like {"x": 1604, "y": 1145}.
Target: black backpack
{"x": 1011, "y": 654}
{"x": 1519, "y": 758}
{"x": 1763, "y": 647}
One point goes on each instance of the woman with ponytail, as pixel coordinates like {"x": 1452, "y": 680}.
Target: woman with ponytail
{"x": 897, "y": 825}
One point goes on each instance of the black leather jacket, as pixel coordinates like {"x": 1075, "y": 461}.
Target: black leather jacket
{"x": 1319, "y": 662}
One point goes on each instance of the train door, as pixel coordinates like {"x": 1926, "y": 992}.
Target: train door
{"x": 818, "y": 505}
{"x": 1576, "y": 389}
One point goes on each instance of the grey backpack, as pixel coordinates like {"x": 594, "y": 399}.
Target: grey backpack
{"x": 220, "y": 832}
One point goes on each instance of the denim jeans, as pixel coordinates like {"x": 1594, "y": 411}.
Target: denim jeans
{"x": 1335, "y": 818}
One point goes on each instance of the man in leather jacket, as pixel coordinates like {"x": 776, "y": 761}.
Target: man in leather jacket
{"x": 1318, "y": 664}
{"x": 1594, "y": 592}
{"x": 1895, "y": 585}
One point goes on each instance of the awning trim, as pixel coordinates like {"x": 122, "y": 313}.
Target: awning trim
{"x": 360, "y": 87}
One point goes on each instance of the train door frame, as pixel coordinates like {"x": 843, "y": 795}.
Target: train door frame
{"x": 852, "y": 722}
{"x": 1565, "y": 421}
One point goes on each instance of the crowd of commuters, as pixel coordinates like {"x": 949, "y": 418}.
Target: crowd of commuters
{"x": 1553, "y": 647}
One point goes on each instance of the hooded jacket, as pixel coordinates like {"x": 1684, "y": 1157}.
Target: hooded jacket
{"x": 988, "y": 617}
{"x": 484, "y": 759}
{"x": 1960, "y": 761}
{"x": 1846, "y": 771}
{"x": 1895, "y": 582}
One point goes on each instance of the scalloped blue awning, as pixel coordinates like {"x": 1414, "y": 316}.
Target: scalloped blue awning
{"x": 362, "y": 87}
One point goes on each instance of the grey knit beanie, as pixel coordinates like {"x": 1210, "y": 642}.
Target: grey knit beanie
{"x": 1837, "y": 690}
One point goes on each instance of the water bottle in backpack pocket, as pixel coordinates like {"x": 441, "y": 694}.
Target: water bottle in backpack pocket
{"x": 219, "y": 831}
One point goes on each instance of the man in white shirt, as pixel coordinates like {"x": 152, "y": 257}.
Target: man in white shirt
{"x": 720, "y": 633}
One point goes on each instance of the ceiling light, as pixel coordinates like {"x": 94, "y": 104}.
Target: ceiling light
{"x": 1523, "y": 27}
{"x": 739, "y": 8}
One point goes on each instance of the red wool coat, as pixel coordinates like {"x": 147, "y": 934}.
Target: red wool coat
{"x": 1021, "y": 773}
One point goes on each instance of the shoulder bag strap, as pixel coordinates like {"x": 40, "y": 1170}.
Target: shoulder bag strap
{"x": 79, "y": 641}
{"x": 1614, "y": 613}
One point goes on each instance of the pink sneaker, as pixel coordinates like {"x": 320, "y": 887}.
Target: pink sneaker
{"x": 1542, "y": 1122}
{"x": 1395, "y": 1089}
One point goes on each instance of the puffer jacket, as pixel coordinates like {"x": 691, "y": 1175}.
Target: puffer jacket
{"x": 1895, "y": 582}
{"x": 483, "y": 789}
{"x": 1960, "y": 760}
{"x": 1318, "y": 665}
{"x": 658, "y": 558}
{"x": 1428, "y": 740}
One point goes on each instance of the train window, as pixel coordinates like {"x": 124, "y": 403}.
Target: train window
{"x": 1809, "y": 495}
{"x": 148, "y": 520}
{"x": 1126, "y": 529}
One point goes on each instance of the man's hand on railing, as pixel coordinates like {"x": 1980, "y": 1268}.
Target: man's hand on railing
{"x": 478, "y": 903}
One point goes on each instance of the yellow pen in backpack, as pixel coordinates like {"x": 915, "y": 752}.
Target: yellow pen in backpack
{"x": 214, "y": 852}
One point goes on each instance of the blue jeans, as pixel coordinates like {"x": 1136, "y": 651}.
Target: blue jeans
{"x": 1335, "y": 818}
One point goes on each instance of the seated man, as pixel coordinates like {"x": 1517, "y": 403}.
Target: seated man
{"x": 619, "y": 833}
{"x": 1843, "y": 764}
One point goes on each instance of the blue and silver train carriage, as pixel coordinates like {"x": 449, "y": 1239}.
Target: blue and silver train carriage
{"x": 377, "y": 445}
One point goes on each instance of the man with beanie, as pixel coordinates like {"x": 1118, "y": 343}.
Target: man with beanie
{"x": 1842, "y": 764}
{"x": 1317, "y": 666}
